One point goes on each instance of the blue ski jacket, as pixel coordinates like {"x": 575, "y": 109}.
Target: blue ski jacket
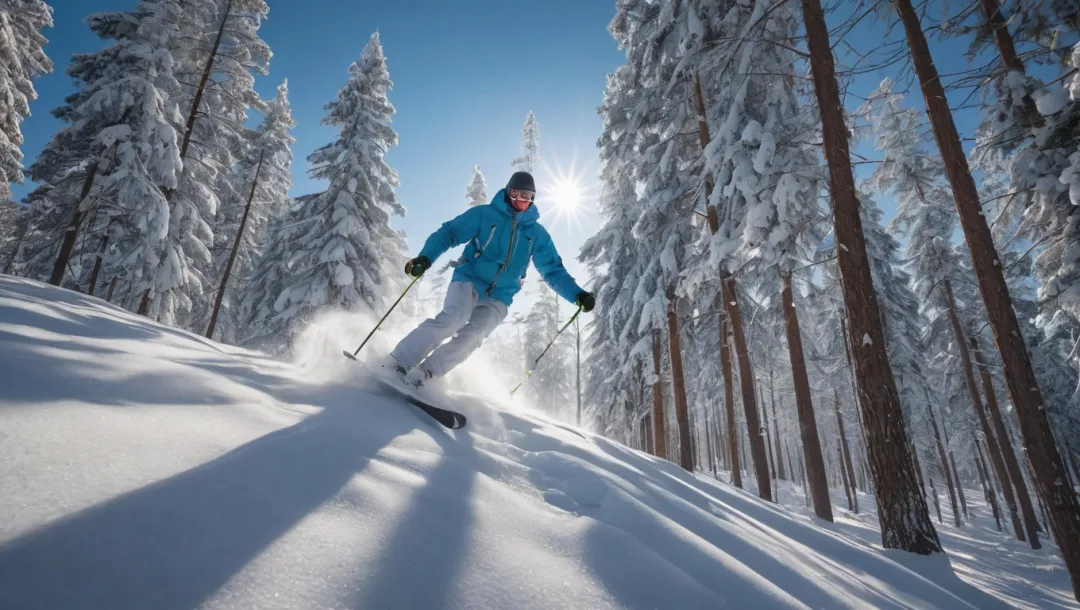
{"x": 501, "y": 242}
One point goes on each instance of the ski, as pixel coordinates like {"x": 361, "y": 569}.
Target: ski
{"x": 447, "y": 418}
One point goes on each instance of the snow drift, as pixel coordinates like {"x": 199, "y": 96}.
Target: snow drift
{"x": 145, "y": 467}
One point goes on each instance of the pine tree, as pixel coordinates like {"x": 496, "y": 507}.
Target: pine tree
{"x": 476, "y": 193}
{"x": 118, "y": 156}
{"x": 902, "y": 511}
{"x": 221, "y": 53}
{"x": 342, "y": 252}
{"x": 269, "y": 279}
{"x": 12, "y": 225}
{"x": 22, "y": 58}
{"x": 609, "y": 378}
{"x": 1020, "y": 375}
{"x": 530, "y": 145}
{"x": 265, "y": 171}
{"x": 765, "y": 188}
{"x": 551, "y": 385}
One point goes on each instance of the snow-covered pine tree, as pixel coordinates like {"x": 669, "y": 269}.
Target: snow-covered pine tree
{"x": 903, "y": 324}
{"x": 269, "y": 279}
{"x": 530, "y": 145}
{"x": 119, "y": 154}
{"x": 262, "y": 180}
{"x": 1026, "y": 145}
{"x": 902, "y": 510}
{"x": 612, "y": 252}
{"x": 217, "y": 61}
{"x": 551, "y": 385}
{"x": 342, "y": 252}
{"x": 22, "y": 58}
{"x": 1020, "y": 376}
{"x": 662, "y": 49}
{"x": 926, "y": 215}
{"x": 614, "y": 367}
{"x": 766, "y": 184}
{"x": 12, "y": 225}
{"x": 476, "y": 192}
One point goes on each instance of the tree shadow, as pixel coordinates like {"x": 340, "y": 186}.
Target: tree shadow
{"x": 74, "y": 314}
{"x": 174, "y": 543}
{"x": 423, "y": 559}
{"x": 657, "y": 503}
{"x": 35, "y": 362}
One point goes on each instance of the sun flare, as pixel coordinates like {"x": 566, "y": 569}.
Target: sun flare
{"x": 569, "y": 192}
{"x": 566, "y": 195}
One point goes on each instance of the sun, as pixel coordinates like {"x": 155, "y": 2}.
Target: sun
{"x": 568, "y": 191}
{"x": 566, "y": 195}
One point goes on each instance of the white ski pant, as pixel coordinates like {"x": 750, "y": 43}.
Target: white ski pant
{"x": 465, "y": 316}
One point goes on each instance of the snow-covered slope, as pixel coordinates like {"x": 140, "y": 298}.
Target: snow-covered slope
{"x": 144, "y": 467}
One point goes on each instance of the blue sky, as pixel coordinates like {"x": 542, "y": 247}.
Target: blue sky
{"x": 466, "y": 73}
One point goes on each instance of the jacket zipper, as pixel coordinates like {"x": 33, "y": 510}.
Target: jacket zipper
{"x": 509, "y": 254}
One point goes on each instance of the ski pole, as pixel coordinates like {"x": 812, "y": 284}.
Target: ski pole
{"x": 352, "y": 356}
{"x": 528, "y": 373}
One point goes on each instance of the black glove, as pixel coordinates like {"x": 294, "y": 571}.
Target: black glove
{"x": 586, "y": 301}
{"x": 417, "y": 266}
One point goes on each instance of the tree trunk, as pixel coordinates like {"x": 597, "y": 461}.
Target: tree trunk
{"x": 67, "y": 245}
{"x": 709, "y": 447}
{"x": 682, "y": 416}
{"x": 848, "y": 492}
{"x": 754, "y": 432}
{"x": 722, "y": 453}
{"x": 659, "y": 424}
{"x": 729, "y": 404}
{"x": 776, "y": 432}
{"x": 768, "y": 435}
{"x": 144, "y": 303}
{"x": 984, "y": 471}
{"x": 980, "y": 412}
{"x": 236, "y": 248}
{"x": 805, "y": 483}
{"x": 729, "y": 294}
{"x": 790, "y": 463}
{"x": 1019, "y": 375}
{"x": 1012, "y": 465}
{"x": 742, "y": 446}
{"x": 955, "y": 472}
{"x": 933, "y": 493}
{"x": 1007, "y": 51}
{"x": 846, "y": 452}
{"x": 815, "y": 462}
{"x": 193, "y": 112}
{"x": 959, "y": 486}
{"x": 97, "y": 264}
{"x": 112, "y": 288}
{"x": 902, "y": 511}
{"x": 947, "y": 472}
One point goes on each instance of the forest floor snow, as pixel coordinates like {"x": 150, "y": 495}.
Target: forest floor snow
{"x": 146, "y": 467}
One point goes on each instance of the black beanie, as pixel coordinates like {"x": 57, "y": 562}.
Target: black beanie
{"x": 522, "y": 181}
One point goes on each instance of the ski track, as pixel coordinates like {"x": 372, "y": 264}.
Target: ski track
{"x": 146, "y": 467}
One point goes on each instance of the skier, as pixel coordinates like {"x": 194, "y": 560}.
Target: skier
{"x": 502, "y": 237}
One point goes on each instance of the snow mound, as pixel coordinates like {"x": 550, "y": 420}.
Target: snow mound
{"x": 145, "y": 467}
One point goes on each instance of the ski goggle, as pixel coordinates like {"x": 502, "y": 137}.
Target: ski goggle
{"x": 523, "y": 195}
